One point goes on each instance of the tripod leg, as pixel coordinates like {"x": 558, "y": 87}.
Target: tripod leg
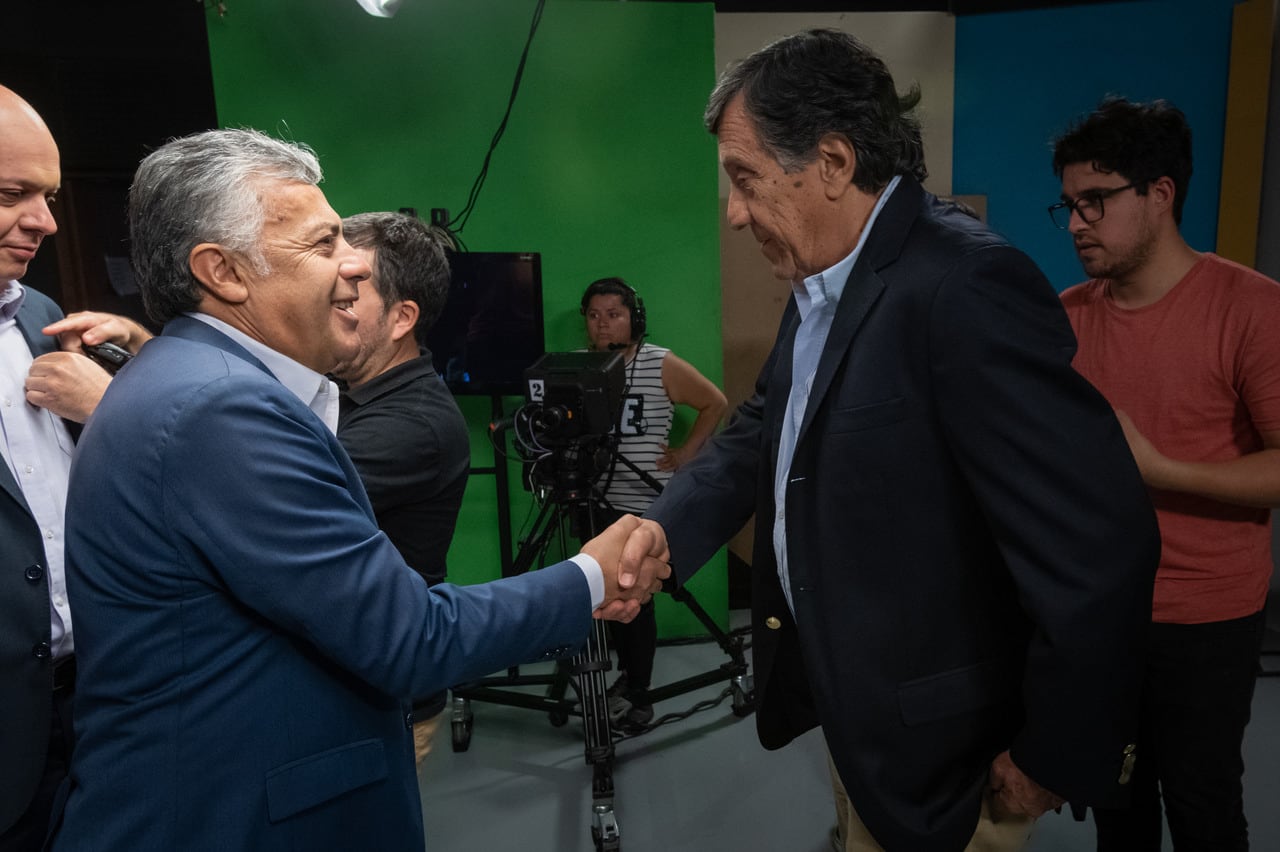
{"x": 590, "y": 668}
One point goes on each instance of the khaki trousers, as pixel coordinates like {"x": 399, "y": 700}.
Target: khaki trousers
{"x": 423, "y": 732}
{"x": 1002, "y": 834}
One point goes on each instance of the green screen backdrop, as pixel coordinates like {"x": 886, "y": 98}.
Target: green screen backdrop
{"x": 604, "y": 168}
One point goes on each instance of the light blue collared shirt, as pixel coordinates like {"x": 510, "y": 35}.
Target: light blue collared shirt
{"x": 11, "y": 299}
{"x": 817, "y": 298}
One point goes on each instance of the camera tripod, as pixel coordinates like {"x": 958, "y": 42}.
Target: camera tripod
{"x": 566, "y": 508}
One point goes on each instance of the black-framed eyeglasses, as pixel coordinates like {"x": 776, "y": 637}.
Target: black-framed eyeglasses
{"x": 1089, "y": 206}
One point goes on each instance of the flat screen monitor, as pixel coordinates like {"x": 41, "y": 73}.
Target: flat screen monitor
{"x": 491, "y": 329}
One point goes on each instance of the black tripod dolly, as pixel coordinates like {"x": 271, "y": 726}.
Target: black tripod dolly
{"x": 568, "y": 505}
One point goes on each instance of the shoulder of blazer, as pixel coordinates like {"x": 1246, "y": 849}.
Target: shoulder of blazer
{"x": 189, "y": 328}
{"x": 914, "y": 221}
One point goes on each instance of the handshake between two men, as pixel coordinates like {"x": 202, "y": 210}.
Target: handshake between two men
{"x": 634, "y": 557}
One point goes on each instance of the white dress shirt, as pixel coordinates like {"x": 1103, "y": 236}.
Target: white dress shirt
{"x": 37, "y": 449}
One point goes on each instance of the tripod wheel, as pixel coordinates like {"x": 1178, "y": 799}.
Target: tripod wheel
{"x": 605, "y": 833}
{"x": 461, "y": 736}
{"x": 558, "y": 718}
{"x": 744, "y": 696}
{"x": 461, "y": 719}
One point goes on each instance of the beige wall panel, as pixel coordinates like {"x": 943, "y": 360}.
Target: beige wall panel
{"x": 918, "y": 47}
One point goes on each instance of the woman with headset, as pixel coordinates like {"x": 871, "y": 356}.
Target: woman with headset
{"x": 656, "y": 381}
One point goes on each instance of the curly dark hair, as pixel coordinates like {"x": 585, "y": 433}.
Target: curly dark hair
{"x": 1140, "y": 141}
{"x": 822, "y": 81}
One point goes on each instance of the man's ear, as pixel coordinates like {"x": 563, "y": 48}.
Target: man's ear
{"x": 836, "y": 163}
{"x": 1162, "y": 191}
{"x": 219, "y": 273}
{"x": 404, "y": 316}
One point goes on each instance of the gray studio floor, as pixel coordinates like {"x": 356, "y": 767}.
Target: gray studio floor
{"x": 702, "y": 784}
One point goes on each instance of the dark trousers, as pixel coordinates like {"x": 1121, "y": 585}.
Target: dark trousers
{"x": 636, "y": 641}
{"x": 1197, "y": 691}
{"x": 28, "y": 833}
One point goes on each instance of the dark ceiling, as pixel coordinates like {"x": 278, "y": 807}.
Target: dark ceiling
{"x": 955, "y": 7}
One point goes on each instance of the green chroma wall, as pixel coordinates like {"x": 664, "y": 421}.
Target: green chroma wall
{"x": 604, "y": 168}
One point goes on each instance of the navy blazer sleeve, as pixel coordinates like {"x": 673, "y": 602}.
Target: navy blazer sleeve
{"x": 241, "y": 497}
{"x": 270, "y": 497}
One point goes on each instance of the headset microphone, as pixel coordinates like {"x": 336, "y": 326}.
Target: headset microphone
{"x": 614, "y": 347}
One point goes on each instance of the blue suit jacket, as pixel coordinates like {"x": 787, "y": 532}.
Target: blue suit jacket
{"x": 26, "y": 674}
{"x": 246, "y": 635}
{"x": 971, "y": 549}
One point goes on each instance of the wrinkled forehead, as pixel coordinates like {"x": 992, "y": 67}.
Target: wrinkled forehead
{"x": 295, "y": 207}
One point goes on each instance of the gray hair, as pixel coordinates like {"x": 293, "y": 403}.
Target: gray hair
{"x": 822, "y": 81}
{"x": 204, "y": 188}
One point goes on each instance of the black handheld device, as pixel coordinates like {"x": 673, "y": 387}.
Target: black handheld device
{"x": 108, "y": 356}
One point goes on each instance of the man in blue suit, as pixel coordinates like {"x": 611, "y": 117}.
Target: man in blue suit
{"x": 248, "y": 638}
{"x": 954, "y": 550}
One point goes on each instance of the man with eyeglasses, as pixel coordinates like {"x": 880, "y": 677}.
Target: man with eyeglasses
{"x": 1183, "y": 345}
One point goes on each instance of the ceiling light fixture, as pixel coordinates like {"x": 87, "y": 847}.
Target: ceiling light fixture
{"x": 380, "y": 8}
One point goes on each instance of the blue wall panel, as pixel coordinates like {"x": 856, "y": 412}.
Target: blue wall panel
{"x": 1021, "y": 77}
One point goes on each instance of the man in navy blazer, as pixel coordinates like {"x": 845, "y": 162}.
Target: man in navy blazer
{"x": 39, "y": 386}
{"x": 954, "y": 552}
{"x": 248, "y": 639}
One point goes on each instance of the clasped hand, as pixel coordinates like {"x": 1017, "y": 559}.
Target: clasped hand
{"x": 635, "y": 560}
{"x": 69, "y": 384}
{"x": 1015, "y": 792}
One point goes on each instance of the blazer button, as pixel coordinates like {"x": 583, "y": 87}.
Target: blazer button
{"x": 35, "y": 573}
{"x": 41, "y": 651}
{"x": 772, "y": 622}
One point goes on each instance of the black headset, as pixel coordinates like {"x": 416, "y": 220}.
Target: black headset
{"x": 630, "y": 299}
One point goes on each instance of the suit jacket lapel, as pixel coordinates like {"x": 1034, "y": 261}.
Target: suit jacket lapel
{"x": 863, "y": 289}
{"x": 10, "y": 486}
{"x": 860, "y": 293}
{"x": 39, "y": 344}
{"x": 779, "y": 387}
{"x": 37, "y": 341}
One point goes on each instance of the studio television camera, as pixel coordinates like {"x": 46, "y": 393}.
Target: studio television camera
{"x": 565, "y": 431}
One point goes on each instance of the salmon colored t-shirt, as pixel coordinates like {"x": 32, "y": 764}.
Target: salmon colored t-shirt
{"x": 1199, "y": 373}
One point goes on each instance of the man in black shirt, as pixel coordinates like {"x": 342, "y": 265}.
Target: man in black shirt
{"x": 397, "y": 419}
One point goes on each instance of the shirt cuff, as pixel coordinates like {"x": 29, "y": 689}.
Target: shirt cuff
{"x": 594, "y": 576}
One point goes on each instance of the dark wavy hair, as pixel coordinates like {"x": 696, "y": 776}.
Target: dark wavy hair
{"x": 409, "y": 262}
{"x": 1140, "y": 141}
{"x": 822, "y": 81}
